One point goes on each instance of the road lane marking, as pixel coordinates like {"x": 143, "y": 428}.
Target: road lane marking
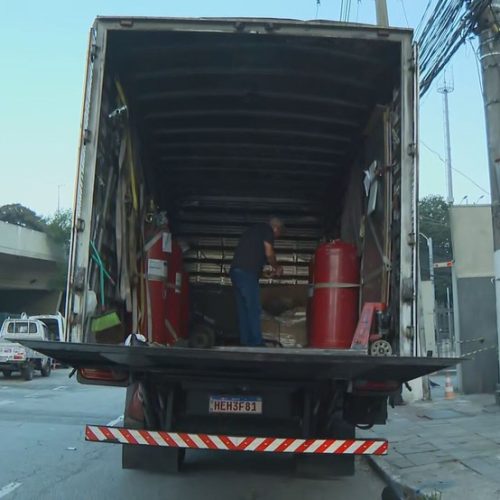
{"x": 6, "y": 402}
{"x": 60, "y": 388}
{"x": 35, "y": 394}
{"x": 8, "y": 488}
{"x": 117, "y": 420}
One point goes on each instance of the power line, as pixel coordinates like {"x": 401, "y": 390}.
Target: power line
{"x": 455, "y": 169}
{"x": 404, "y": 12}
{"x": 424, "y": 15}
{"x": 446, "y": 29}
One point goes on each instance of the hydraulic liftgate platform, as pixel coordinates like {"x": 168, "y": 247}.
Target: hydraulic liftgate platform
{"x": 259, "y": 363}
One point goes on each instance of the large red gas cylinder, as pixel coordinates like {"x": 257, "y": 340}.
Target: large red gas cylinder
{"x": 334, "y": 306}
{"x": 175, "y": 294}
{"x": 184, "y": 328}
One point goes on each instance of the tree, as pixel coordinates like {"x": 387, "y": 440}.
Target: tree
{"x": 434, "y": 222}
{"x": 58, "y": 227}
{"x": 20, "y": 215}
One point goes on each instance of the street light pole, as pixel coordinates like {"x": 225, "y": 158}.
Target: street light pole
{"x": 59, "y": 186}
{"x": 489, "y": 48}
{"x": 431, "y": 256}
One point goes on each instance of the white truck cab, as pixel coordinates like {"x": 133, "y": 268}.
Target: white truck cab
{"x": 14, "y": 357}
{"x": 55, "y": 324}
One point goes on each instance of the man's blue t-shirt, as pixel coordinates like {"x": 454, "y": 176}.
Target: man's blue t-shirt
{"x": 250, "y": 254}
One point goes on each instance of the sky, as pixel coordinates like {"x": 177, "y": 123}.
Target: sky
{"x": 43, "y": 49}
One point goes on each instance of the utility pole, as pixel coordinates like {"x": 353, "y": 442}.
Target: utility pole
{"x": 489, "y": 47}
{"x": 382, "y": 15}
{"x": 445, "y": 90}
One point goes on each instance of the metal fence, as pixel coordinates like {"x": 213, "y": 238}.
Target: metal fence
{"x": 445, "y": 333}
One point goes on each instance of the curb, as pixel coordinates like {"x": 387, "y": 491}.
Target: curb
{"x": 397, "y": 490}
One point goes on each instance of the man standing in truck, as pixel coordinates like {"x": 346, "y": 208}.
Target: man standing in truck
{"x": 255, "y": 248}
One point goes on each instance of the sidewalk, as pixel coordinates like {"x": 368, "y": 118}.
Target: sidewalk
{"x": 447, "y": 447}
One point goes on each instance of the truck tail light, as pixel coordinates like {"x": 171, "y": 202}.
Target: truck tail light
{"x": 375, "y": 386}
{"x": 103, "y": 375}
{"x": 19, "y": 355}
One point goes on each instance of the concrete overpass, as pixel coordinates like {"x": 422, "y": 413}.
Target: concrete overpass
{"x": 29, "y": 265}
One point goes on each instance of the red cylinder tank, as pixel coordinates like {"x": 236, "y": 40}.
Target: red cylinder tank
{"x": 334, "y": 306}
{"x": 175, "y": 294}
{"x": 167, "y": 314}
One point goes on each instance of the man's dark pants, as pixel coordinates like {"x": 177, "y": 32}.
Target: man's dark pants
{"x": 246, "y": 287}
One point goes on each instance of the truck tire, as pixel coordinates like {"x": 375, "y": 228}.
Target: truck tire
{"x": 7, "y": 373}
{"x": 314, "y": 466}
{"x": 152, "y": 458}
{"x": 27, "y": 371}
{"x": 46, "y": 368}
{"x": 326, "y": 466}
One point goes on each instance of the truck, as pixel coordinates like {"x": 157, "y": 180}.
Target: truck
{"x": 220, "y": 123}
{"x": 14, "y": 357}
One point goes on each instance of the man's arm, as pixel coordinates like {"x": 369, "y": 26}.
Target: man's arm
{"x": 271, "y": 258}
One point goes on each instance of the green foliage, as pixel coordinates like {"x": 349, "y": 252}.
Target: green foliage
{"x": 20, "y": 215}
{"x": 434, "y": 223}
{"x": 58, "y": 227}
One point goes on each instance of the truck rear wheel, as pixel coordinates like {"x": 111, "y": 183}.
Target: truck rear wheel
{"x": 27, "y": 371}
{"x": 323, "y": 466}
{"x": 152, "y": 458}
{"x": 46, "y": 368}
{"x": 7, "y": 373}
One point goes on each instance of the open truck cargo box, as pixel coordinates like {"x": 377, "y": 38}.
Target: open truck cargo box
{"x": 224, "y": 122}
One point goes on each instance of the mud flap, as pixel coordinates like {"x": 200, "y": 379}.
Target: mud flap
{"x": 149, "y": 458}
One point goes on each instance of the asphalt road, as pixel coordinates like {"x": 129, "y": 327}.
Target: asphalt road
{"x": 44, "y": 455}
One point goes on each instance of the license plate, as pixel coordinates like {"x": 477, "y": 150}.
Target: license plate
{"x": 246, "y": 405}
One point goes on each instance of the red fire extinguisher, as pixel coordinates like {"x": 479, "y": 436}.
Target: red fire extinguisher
{"x": 155, "y": 272}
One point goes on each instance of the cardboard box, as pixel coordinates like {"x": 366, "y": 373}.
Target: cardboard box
{"x": 293, "y": 333}
{"x": 270, "y": 328}
{"x": 289, "y": 329}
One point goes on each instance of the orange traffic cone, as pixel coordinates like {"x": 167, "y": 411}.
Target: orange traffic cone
{"x": 449, "y": 393}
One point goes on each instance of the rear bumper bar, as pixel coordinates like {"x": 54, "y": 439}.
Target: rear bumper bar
{"x": 120, "y": 435}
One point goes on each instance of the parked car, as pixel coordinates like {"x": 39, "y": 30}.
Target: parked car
{"x": 16, "y": 358}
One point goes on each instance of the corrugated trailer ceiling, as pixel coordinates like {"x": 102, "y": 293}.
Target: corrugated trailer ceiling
{"x": 241, "y": 114}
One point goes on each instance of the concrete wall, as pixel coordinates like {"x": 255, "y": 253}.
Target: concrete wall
{"x": 31, "y": 265}
{"x": 474, "y": 295}
{"x": 472, "y": 238}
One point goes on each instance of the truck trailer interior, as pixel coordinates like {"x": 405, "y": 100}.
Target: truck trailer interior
{"x": 226, "y": 129}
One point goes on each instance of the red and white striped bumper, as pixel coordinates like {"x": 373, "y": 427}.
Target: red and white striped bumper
{"x": 121, "y": 435}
